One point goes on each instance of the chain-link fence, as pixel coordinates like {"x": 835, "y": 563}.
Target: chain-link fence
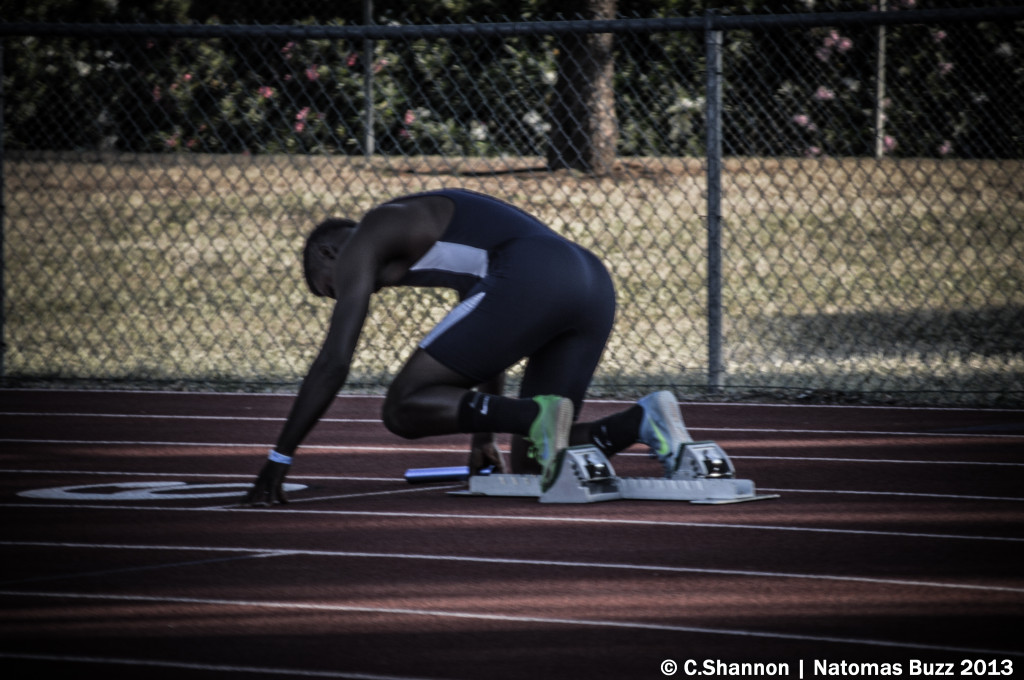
{"x": 854, "y": 180}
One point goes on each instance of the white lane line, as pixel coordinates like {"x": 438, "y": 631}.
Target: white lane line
{"x": 908, "y": 494}
{"x": 900, "y": 461}
{"x": 377, "y": 421}
{"x": 197, "y": 475}
{"x": 260, "y": 445}
{"x": 157, "y": 416}
{"x": 862, "y": 433}
{"x": 658, "y": 523}
{"x": 184, "y": 665}
{"x": 129, "y": 570}
{"x": 426, "y": 448}
{"x": 427, "y": 487}
{"x": 526, "y": 518}
{"x": 506, "y": 618}
{"x": 290, "y": 395}
{"x": 392, "y": 492}
{"x": 245, "y": 553}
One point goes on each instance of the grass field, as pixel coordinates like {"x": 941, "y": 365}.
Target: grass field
{"x": 893, "y": 279}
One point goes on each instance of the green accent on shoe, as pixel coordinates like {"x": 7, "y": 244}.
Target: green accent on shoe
{"x": 549, "y": 431}
{"x": 553, "y": 466}
{"x": 549, "y": 436}
{"x": 663, "y": 448}
{"x": 662, "y": 429}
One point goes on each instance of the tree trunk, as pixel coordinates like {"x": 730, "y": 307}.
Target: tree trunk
{"x": 584, "y": 127}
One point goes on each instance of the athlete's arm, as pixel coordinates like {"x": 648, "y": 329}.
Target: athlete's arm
{"x": 329, "y": 370}
{"x": 386, "y": 243}
{"x": 325, "y": 378}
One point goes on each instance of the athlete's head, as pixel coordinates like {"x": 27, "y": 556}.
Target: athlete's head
{"x": 321, "y": 248}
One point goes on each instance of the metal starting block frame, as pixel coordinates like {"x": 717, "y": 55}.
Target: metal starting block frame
{"x": 705, "y": 475}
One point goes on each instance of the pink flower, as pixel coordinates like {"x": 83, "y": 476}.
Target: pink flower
{"x": 833, "y": 41}
{"x": 352, "y": 59}
{"x": 945, "y": 68}
{"x": 889, "y": 143}
{"x": 302, "y": 114}
{"x": 946, "y": 148}
{"x": 299, "y": 127}
{"x": 812, "y": 151}
{"x": 802, "y": 119}
{"x": 312, "y": 73}
{"x": 156, "y": 93}
{"x": 266, "y": 91}
{"x": 409, "y": 117}
{"x": 187, "y": 77}
{"x": 939, "y": 36}
{"x": 171, "y": 141}
{"x": 823, "y": 94}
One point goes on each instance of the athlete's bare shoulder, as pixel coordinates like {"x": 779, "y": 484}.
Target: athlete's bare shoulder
{"x": 427, "y": 212}
{"x": 392, "y": 237}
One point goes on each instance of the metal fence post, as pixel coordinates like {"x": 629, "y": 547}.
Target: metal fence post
{"x": 880, "y": 86}
{"x": 369, "y": 141}
{"x": 3, "y": 219}
{"x": 713, "y": 45}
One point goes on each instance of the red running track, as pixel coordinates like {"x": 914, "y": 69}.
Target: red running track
{"x": 896, "y": 545}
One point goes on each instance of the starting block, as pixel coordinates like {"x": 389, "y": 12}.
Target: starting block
{"x": 585, "y": 475}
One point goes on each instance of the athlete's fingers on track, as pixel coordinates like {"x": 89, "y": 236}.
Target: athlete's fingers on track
{"x": 269, "y": 485}
{"x": 485, "y": 455}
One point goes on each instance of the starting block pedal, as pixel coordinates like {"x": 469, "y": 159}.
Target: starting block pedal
{"x": 704, "y": 460}
{"x": 705, "y": 476}
{"x": 585, "y": 476}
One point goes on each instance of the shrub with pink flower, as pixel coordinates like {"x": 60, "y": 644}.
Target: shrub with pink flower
{"x": 824, "y": 94}
{"x": 833, "y": 42}
{"x": 300, "y": 119}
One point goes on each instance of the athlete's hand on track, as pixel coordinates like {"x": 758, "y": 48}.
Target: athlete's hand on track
{"x": 269, "y": 486}
{"x": 484, "y": 453}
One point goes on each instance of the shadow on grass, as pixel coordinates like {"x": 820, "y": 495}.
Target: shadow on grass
{"x": 986, "y": 331}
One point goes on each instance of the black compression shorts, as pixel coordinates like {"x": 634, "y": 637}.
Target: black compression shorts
{"x": 544, "y": 298}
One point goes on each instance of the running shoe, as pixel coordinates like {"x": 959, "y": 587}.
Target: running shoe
{"x": 549, "y": 436}
{"x": 662, "y": 429}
